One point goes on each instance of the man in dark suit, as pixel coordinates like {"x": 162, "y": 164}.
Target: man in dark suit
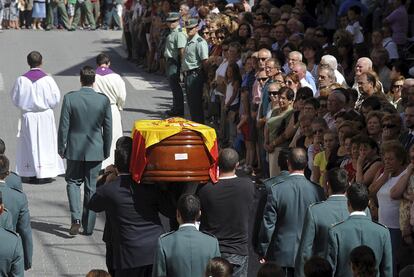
{"x": 285, "y": 212}
{"x": 226, "y": 206}
{"x": 407, "y": 137}
{"x": 185, "y": 252}
{"x": 84, "y": 139}
{"x": 356, "y": 230}
{"x": 132, "y": 210}
{"x": 16, "y": 203}
{"x": 320, "y": 217}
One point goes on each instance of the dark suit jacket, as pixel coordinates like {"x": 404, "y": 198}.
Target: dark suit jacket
{"x": 405, "y": 140}
{"x": 283, "y": 218}
{"x": 355, "y": 231}
{"x": 184, "y": 253}
{"x": 135, "y": 225}
{"x": 85, "y": 126}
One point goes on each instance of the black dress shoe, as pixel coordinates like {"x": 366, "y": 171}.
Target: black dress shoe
{"x": 74, "y": 228}
{"x": 86, "y": 233}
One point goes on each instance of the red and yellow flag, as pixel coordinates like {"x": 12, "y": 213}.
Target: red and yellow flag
{"x": 146, "y": 133}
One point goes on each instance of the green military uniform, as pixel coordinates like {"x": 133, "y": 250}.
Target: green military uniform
{"x": 11, "y": 254}
{"x": 6, "y": 221}
{"x": 84, "y": 139}
{"x": 184, "y": 253}
{"x": 275, "y": 180}
{"x": 86, "y": 7}
{"x": 196, "y": 51}
{"x": 61, "y": 7}
{"x": 16, "y": 203}
{"x": 14, "y": 181}
{"x": 175, "y": 41}
{"x": 357, "y": 230}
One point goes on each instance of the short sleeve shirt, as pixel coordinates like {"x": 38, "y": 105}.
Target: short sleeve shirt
{"x": 175, "y": 40}
{"x": 196, "y": 51}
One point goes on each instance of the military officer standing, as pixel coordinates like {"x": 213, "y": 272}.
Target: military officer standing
{"x": 86, "y": 7}
{"x": 16, "y": 203}
{"x": 174, "y": 52}
{"x": 195, "y": 59}
{"x": 61, "y": 7}
{"x": 11, "y": 251}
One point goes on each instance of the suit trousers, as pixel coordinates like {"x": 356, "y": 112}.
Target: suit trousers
{"x": 85, "y": 6}
{"x": 142, "y": 271}
{"x": 173, "y": 73}
{"x": 194, "y": 83}
{"x": 78, "y": 172}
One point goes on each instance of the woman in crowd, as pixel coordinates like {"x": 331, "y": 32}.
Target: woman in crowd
{"x": 394, "y": 95}
{"x": 292, "y": 81}
{"x": 330, "y": 146}
{"x": 350, "y": 164}
{"x": 276, "y": 124}
{"x": 404, "y": 191}
{"x": 369, "y": 161}
{"x": 311, "y": 54}
{"x": 391, "y": 127}
{"x": 394, "y": 160}
{"x": 374, "y": 126}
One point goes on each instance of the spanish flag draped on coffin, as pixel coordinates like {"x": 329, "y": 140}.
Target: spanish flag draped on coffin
{"x": 174, "y": 150}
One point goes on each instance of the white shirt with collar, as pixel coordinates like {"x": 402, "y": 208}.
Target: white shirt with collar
{"x": 358, "y": 213}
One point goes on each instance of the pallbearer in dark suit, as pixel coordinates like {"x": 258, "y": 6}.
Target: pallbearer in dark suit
{"x": 133, "y": 213}
{"x": 185, "y": 252}
{"x": 356, "y": 230}
{"x": 84, "y": 139}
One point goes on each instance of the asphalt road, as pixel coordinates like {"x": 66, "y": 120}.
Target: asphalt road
{"x": 64, "y": 53}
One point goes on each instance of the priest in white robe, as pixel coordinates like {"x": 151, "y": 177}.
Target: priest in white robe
{"x": 112, "y": 85}
{"x": 36, "y": 94}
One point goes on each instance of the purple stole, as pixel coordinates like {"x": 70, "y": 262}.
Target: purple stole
{"x": 34, "y": 74}
{"x": 102, "y": 71}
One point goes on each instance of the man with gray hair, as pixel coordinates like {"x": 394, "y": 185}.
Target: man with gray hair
{"x": 294, "y": 58}
{"x": 300, "y": 69}
{"x": 332, "y": 63}
{"x": 326, "y": 77}
{"x": 336, "y": 103}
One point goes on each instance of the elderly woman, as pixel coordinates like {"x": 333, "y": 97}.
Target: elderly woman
{"x": 276, "y": 124}
{"x": 391, "y": 126}
{"x": 404, "y": 191}
{"x": 395, "y": 158}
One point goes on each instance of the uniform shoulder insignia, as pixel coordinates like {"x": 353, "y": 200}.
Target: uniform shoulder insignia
{"x": 167, "y": 234}
{"x": 12, "y": 232}
{"x": 17, "y": 189}
{"x": 337, "y": 223}
{"x": 207, "y": 233}
{"x": 382, "y": 225}
{"x": 316, "y": 203}
{"x": 199, "y": 39}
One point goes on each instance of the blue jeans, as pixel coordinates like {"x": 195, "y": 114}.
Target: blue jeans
{"x": 239, "y": 262}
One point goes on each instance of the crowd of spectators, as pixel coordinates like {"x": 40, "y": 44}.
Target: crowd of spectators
{"x": 331, "y": 77}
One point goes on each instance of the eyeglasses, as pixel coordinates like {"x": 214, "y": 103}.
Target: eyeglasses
{"x": 397, "y": 86}
{"x": 389, "y": 126}
{"x": 262, "y": 59}
{"x": 206, "y": 33}
{"x": 318, "y": 131}
{"x": 261, "y": 79}
{"x": 273, "y": 92}
{"x": 289, "y": 83}
{"x": 220, "y": 38}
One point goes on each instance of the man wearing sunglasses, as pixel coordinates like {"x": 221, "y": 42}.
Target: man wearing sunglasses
{"x": 194, "y": 60}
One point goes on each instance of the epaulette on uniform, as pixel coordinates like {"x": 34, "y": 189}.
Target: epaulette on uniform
{"x": 16, "y": 189}
{"x": 333, "y": 225}
{"x": 11, "y": 231}
{"x": 316, "y": 203}
{"x": 167, "y": 234}
{"x": 199, "y": 39}
{"x": 207, "y": 233}
{"x": 382, "y": 225}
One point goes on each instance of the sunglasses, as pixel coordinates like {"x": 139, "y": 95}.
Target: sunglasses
{"x": 262, "y": 59}
{"x": 397, "y": 86}
{"x": 389, "y": 126}
{"x": 318, "y": 131}
{"x": 273, "y": 92}
{"x": 220, "y": 38}
{"x": 289, "y": 83}
{"x": 261, "y": 79}
{"x": 206, "y": 33}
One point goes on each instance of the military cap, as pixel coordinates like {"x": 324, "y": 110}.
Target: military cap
{"x": 191, "y": 23}
{"x": 173, "y": 16}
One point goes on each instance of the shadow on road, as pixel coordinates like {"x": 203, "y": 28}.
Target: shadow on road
{"x": 53, "y": 229}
